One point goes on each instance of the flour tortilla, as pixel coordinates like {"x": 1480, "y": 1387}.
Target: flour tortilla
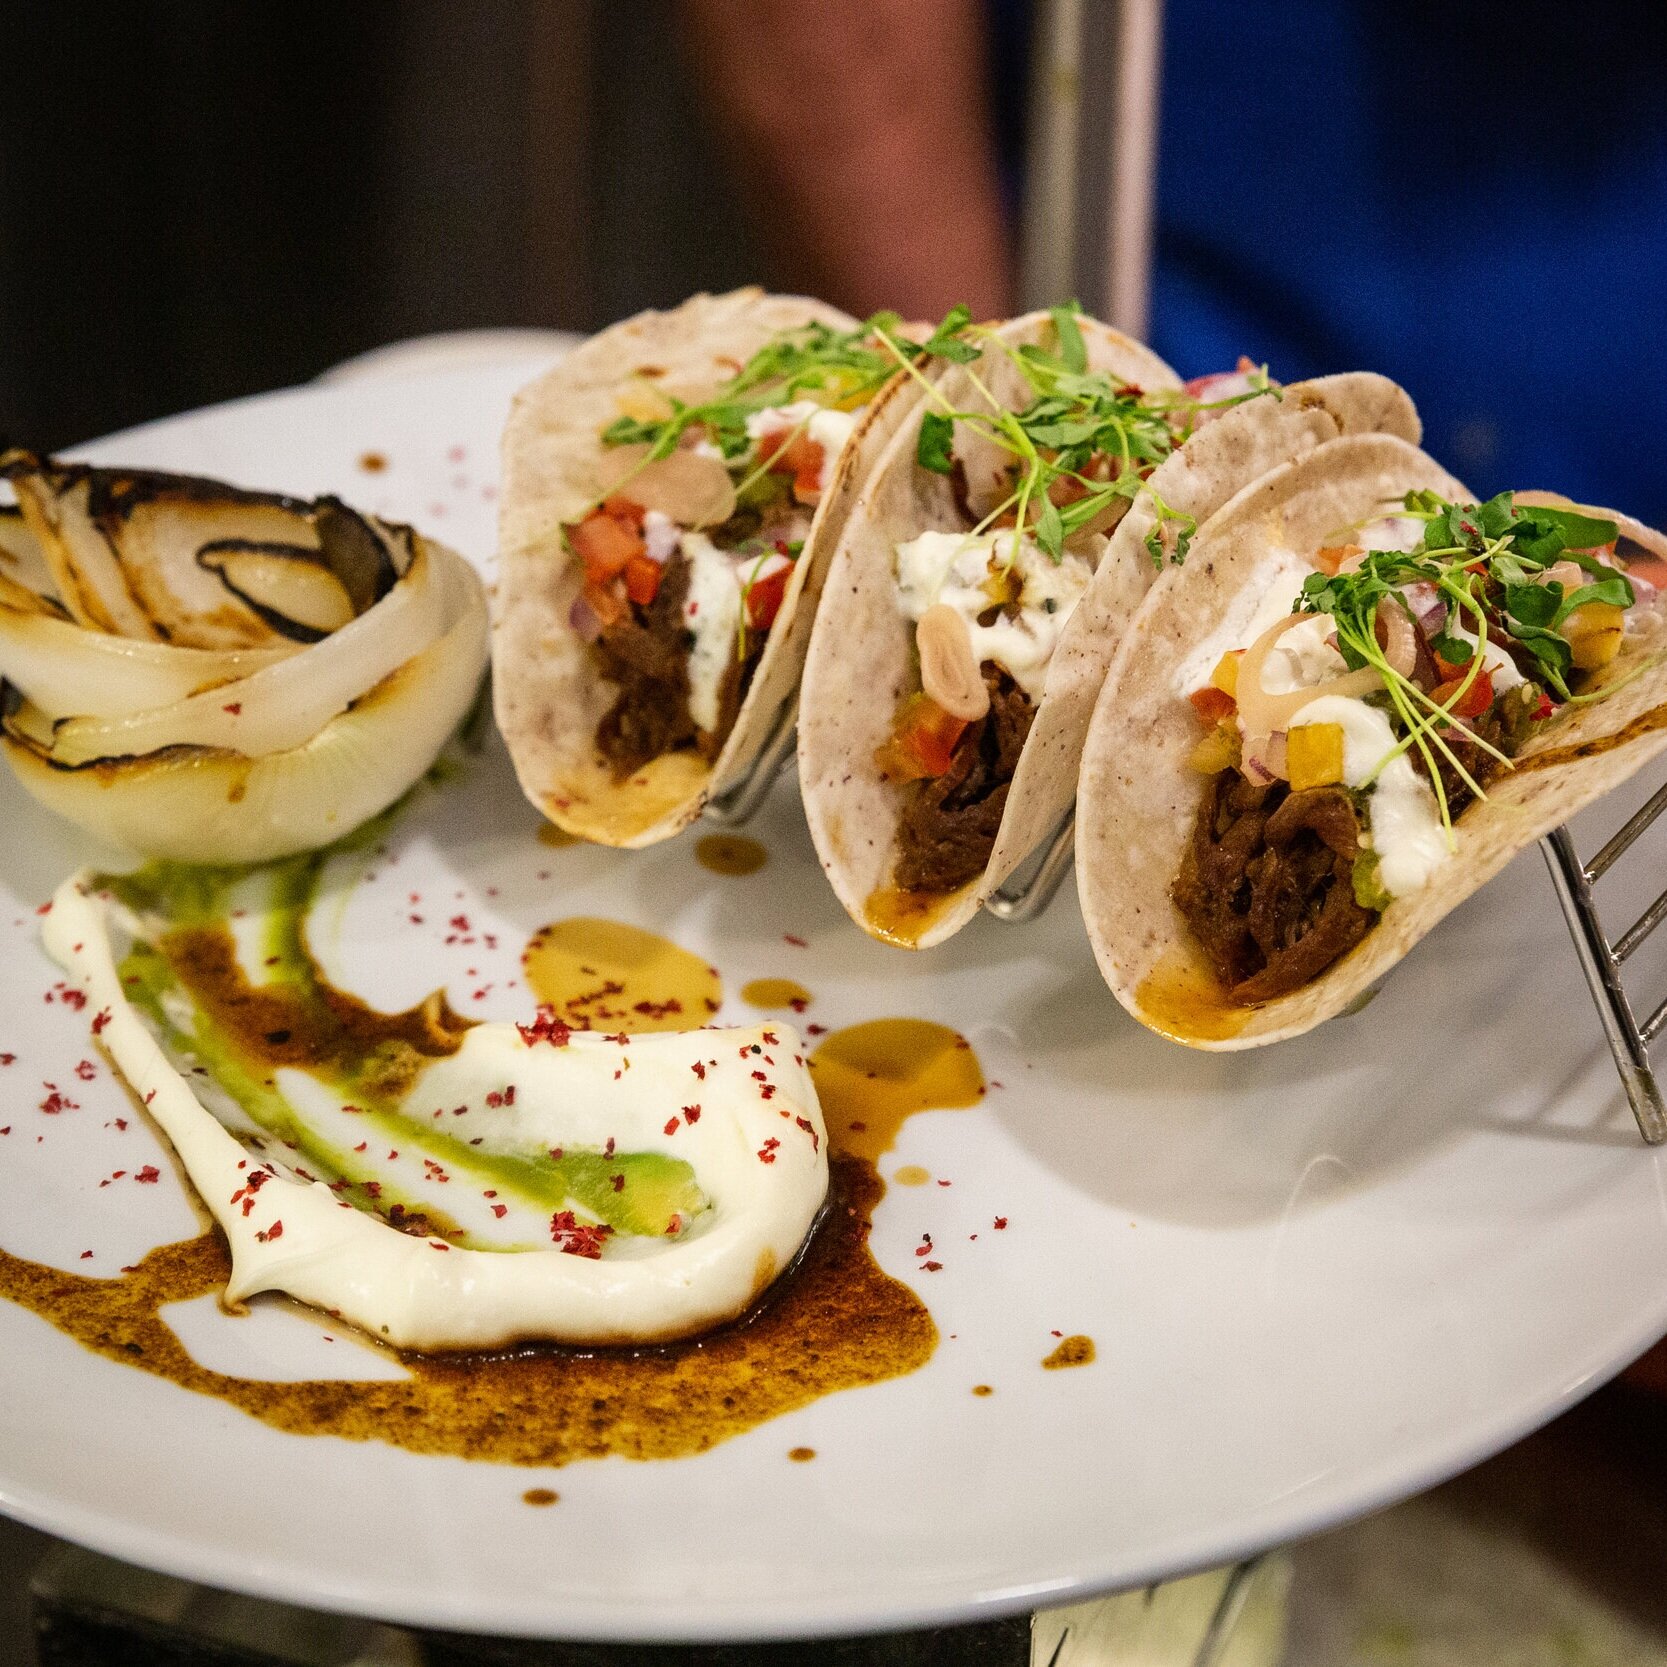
{"x": 861, "y": 657}
{"x": 548, "y": 692}
{"x": 1138, "y": 798}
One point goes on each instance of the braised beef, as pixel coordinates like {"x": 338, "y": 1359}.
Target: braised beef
{"x": 948, "y": 828}
{"x": 1267, "y": 884}
{"x": 647, "y": 655}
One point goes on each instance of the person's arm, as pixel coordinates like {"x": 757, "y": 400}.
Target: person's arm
{"x": 861, "y": 134}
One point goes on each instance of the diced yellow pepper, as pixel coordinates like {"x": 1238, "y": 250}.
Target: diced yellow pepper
{"x": 1594, "y": 634}
{"x": 1314, "y": 755}
{"x": 643, "y": 402}
{"x": 1218, "y": 751}
{"x": 1226, "y": 675}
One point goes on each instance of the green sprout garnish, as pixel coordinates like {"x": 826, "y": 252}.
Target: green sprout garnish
{"x": 1076, "y": 417}
{"x": 1486, "y": 563}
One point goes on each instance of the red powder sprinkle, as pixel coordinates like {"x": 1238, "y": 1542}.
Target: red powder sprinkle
{"x": 809, "y": 1128}
{"x": 100, "y": 1020}
{"x": 618, "y": 1182}
{"x": 796, "y": 941}
{"x": 509, "y": 1095}
{"x": 121, "y": 1122}
{"x": 233, "y": 706}
{"x": 459, "y": 923}
{"x": 435, "y": 1244}
{"x": 555, "y": 1154}
{"x": 924, "y": 1248}
{"x": 149, "y": 1173}
{"x": 392, "y": 1155}
{"x": 8, "y": 1058}
{"x": 816, "y": 1030}
{"x": 494, "y": 1099}
{"x": 1001, "y": 1222}
{"x": 932, "y": 1267}
{"x": 275, "y": 1231}
{"x": 698, "y": 1069}
{"x": 608, "y": 1150}
{"x": 56, "y": 1102}
{"x": 77, "y": 999}
{"x": 500, "y": 1211}
{"x": 416, "y": 920}
{"x": 692, "y": 1113}
{"x": 546, "y": 1027}
{"x": 7, "y": 1129}
{"x": 361, "y": 1146}
{"x": 672, "y": 1125}
{"x": 86, "y": 1070}
{"x": 86, "y": 1255}
{"x": 1056, "y": 1333}
{"x": 577, "y": 1238}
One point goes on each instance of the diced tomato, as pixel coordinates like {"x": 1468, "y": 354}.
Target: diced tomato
{"x": 1213, "y": 704}
{"x": 801, "y": 457}
{"x": 642, "y": 580}
{"x": 1543, "y": 710}
{"x": 608, "y": 601}
{"x": 1477, "y": 698}
{"x": 605, "y": 544}
{"x": 764, "y": 597}
{"x": 624, "y": 509}
{"x": 922, "y": 741}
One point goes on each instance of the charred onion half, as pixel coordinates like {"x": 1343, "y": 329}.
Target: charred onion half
{"x": 212, "y": 675}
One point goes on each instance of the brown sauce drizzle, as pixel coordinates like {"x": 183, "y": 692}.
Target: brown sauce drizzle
{"x": 730, "y": 854}
{"x": 835, "y": 1322}
{"x": 605, "y": 975}
{"x": 1071, "y": 1351}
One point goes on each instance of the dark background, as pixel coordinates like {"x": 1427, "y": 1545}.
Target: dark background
{"x": 202, "y": 199}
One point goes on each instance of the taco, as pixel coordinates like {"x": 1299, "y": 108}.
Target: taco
{"x": 1361, "y": 697}
{"x": 669, "y": 489}
{"x": 982, "y": 583}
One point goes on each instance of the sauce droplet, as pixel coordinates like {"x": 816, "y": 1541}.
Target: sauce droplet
{"x": 557, "y": 838}
{"x": 373, "y": 462}
{"x": 904, "y": 917}
{"x": 982, "y": 1389}
{"x": 731, "y": 854}
{"x": 911, "y": 1175}
{"x": 801, "y": 1455}
{"x": 540, "y": 1496}
{"x": 1071, "y": 1351}
{"x": 776, "y": 992}
{"x": 1182, "y": 1000}
{"x": 605, "y": 975}
{"x": 871, "y": 1077}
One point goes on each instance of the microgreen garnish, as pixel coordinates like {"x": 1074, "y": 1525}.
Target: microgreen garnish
{"x": 844, "y": 367}
{"x": 1487, "y": 564}
{"x": 1082, "y": 431}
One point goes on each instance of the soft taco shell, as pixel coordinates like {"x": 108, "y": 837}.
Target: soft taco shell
{"x": 548, "y": 693}
{"x": 1138, "y": 798}
{"x": 861, "y": 664}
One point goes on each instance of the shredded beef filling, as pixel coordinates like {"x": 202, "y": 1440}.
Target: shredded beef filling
{"x": 1267, "y": 884}
{"x": 949, "y": 824}
{"x": 647, "y": 654}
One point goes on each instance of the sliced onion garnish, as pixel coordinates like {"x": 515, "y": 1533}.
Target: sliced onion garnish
{"x": 585, "y": 620}
{"x": 284, "y": 704}
{"x": 693, "y": 489}
{"x": 1399, "y": 639}
{"x": 1262, "y": 714}
{"x": 70, "y": 672}
{"x": 126, "y": 553}
{"x": 21, "y": 561}
{"x": 374, "y": 643}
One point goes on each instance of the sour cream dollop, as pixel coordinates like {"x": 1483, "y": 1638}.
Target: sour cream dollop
{"x": 759, "y": 1157}
{"x": 954, "y": 569}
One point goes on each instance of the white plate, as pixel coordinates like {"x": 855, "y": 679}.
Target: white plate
{"x": 1319, "y": 1276}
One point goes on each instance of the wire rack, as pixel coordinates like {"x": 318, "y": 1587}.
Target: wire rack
{"x": 1032, "y": 886}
